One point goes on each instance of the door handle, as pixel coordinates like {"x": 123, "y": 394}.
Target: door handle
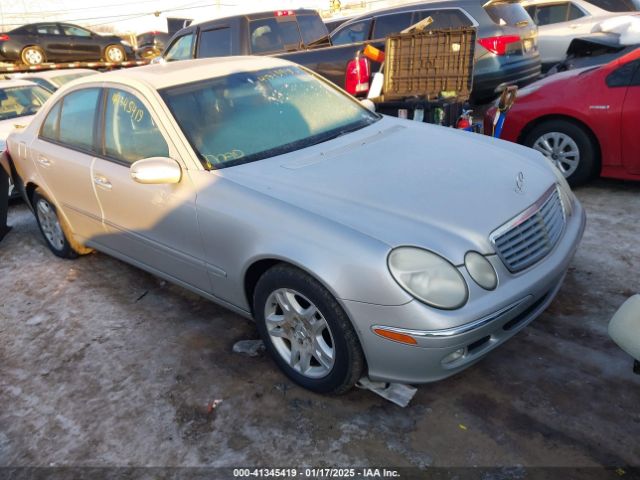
{"x": 103, "y": 182}
{"x": 44, "y": 161}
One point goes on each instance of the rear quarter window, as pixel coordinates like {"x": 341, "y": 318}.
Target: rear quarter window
{"x": 508, "y": 14}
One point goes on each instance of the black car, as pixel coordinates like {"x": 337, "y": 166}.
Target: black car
{"x": 38, "y": 43}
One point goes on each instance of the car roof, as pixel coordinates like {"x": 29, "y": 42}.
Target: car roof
{"x": 167, "y": 74}
{"x": 416, "y": 6}
{"x": 16, "y": 83}
{"x": 53, "y": 73}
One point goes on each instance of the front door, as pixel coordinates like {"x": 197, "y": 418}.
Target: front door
{"x": 152, "y": 226}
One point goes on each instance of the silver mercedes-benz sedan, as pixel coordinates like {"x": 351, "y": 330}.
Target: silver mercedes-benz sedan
{"x": 360, "y": 244}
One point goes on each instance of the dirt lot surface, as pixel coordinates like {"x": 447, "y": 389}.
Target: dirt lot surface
{"x": 102, "y": 364}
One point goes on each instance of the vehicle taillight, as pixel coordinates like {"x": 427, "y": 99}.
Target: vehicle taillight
{"x": 357, "y": 77}
{"x": 4, "y": 37}
{"x": 498, "y": 45}
{"x": 284, "y": 13}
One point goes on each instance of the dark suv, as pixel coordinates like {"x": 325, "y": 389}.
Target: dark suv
{"x": 507, "y": 46}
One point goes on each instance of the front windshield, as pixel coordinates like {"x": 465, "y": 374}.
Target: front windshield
{"x": 21, "y": 101}
{"x": 248, "y": 116}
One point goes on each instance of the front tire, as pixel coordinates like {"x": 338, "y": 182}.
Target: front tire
{"x": 306, "y": 331}
{"x": 54, "y": 229}
{"x": 114, "y": 54}
{"x": 33, "y": 55}
{"x": 568, "y": 146}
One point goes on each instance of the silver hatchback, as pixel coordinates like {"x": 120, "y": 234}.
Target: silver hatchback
{"x": 360, "y": 244}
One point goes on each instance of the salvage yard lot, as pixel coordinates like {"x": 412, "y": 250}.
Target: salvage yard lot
{"x": 102, "y": 364}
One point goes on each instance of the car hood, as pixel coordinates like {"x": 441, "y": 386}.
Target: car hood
{"x": 9, "y": 125}
{"x": 406, "y": 183}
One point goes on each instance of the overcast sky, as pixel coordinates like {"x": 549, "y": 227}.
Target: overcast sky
{"x": 137, "y": 15}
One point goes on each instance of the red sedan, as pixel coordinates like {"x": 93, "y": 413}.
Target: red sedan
{"x": 587, "y": 121}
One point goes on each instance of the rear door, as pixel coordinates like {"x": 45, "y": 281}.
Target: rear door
{"x": 83, "y": 44}
{"x": 56, "y": 45}
{"x": 63, "y": 154}
{"x": 629, "y": 125}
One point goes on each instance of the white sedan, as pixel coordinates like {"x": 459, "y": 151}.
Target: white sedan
{"x": 360, "y": 244}
{"x": 19, "y": 101}
{"x": 53, "y": 79}
{"x": 559, "y": 22}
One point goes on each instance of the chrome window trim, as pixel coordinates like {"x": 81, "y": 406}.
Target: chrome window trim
{"x": 452, "y": 332}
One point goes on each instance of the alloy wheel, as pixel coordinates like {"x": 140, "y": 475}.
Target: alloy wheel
{"x": 561, "y": 149}
{"x": 50, "y": 225}
{"x": 33, "y": 56}
{"x": 115, "y": 55}
{"x": 299, "y": 333}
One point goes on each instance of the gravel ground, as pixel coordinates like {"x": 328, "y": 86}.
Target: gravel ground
{"x": 102, "y": 364}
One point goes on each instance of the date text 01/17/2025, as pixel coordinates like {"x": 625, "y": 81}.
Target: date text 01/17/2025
{"x": 315, "y": 473}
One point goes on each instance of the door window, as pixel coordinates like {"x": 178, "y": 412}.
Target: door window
{"x": 215, "y": 43}
{"x": 449, "y": 18}
{"x": 74, "y": 31}
{"x": 386, "y": 25}
{"x": 356, "y": 32}
{"x": 550, "y": 14}
{"x": 77, "y": 118}
{"x": 48, "y": 29}
{"x": 130, "y": 133}
{"x": 181, "y": 49}
{"x": 625, "y": 75}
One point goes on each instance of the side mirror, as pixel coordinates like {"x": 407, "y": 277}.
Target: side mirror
{"x": 624, "y": 329}
{"x": 156, "y": 170}
{"x": 368, "y": 104}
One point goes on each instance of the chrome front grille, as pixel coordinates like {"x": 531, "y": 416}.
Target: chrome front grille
{"x": 530, "y": 236}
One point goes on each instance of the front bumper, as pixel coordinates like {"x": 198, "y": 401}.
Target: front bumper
{"x": 480, "y": 326}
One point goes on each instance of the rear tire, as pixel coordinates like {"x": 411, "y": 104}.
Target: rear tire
{"x": 306, "y": 331}
{"x": 33, "y": 55}
{"x": 569, "y": 146}
{"x": 114, "y": 54}
{"x": 54, "y": 229}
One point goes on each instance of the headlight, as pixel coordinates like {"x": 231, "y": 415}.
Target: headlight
{"x": 428, "y": 277}
{"x": 481, "y": 270}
